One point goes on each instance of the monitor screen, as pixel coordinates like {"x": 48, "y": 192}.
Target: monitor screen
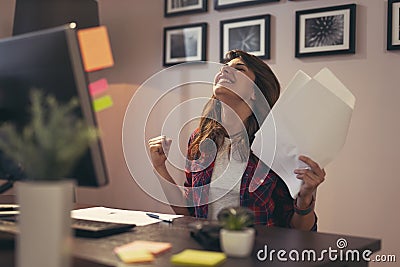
{"x": 34, "y": 15}
{"x": 51, "y": 61}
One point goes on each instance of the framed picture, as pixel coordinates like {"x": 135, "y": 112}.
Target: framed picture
{"x": 223, "y": 4}
{"x": 326, "y": 31}
{"x": 250, "y": 34}
{"x": 184, "y": 7}
{"x": 185, "y": 43}
{"x": 393, "y": 25}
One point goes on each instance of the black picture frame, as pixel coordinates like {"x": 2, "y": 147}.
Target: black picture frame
{"x": 225, "y": 4}
{"x": 185, "y": 43}
{"x": 338, "y": 36}
{"x": 182, "y": 7}
{"x": 250, "y": 34}
{"x": 393, "y": 25}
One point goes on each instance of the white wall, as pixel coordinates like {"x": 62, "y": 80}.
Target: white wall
{"x": 360, "y": 194}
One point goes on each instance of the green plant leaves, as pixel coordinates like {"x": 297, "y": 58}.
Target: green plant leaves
{"x": 52, "y": 142}
{"x": 235, "y": 218}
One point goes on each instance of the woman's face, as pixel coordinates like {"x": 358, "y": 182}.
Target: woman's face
{"x": 234, "y": 82}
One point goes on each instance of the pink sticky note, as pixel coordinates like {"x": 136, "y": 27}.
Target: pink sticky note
{"x": 98, "y": 86}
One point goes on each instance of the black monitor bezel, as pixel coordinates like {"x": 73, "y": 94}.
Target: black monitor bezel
{"x": 81, "y": 84}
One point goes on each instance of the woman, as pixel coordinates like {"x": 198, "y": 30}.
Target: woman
{"x": 230, "y": 120}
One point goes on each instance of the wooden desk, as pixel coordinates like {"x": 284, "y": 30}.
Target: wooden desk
{"x": 98, "y": 252}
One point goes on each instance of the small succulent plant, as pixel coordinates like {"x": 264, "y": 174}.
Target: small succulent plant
{"x": 236, "y": 218}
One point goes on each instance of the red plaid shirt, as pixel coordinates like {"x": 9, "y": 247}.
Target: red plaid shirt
{"x": 271, "y": 202}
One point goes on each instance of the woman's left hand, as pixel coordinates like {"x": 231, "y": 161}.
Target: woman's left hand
{"x": 312, "y": 177}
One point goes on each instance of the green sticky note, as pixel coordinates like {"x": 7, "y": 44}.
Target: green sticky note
{"x": 193, "y": 257}
{"x": 102, "y": 103}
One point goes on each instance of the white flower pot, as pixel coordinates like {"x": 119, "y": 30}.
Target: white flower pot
{"x": 237, "y": 243}
{"x": 44, "y": 223}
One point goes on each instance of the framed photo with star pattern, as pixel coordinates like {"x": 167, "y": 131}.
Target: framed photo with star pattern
{"x": 250, "y": 34}
{"x": 326, "y": 31}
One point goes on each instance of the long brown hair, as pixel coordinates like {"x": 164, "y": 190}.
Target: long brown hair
{"x": 210, "y": 126}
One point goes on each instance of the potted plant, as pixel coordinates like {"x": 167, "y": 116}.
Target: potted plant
{"x": 237, "y": 234}
{"x": 46, "y": 150}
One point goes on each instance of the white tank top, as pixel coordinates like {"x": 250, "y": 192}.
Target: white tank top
{"x": 225, "y": 181}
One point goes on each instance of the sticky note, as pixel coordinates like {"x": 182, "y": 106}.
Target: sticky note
{"x": 102, "y": 103}
{"x": 95, "y": 48}
{"x": 154, "y": 248}
{"x": 98, "y": 87}
{"x": 135, "y": 256}
{"x": 193, "y": 257}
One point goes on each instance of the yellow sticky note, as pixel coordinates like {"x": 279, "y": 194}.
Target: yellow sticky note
{"x": 135, "y": 256}
{"x": 95, "y": 48}
{"x": 193, "y": 257}
{"x": 102, "y": 103}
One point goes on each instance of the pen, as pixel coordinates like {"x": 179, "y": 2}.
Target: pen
{"x": 155, "y": 216}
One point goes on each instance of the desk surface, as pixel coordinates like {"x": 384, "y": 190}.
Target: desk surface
{"x": 178, "y": 234}
{"x": 98, "y": 252}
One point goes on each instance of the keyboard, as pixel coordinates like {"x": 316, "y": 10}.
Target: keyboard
{"x": 81, "y": 228}
{"x": 95, "y": 229}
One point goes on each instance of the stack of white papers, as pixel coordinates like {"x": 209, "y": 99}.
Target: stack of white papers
{"x": 103, "y": 214}
{"x": 311, "y": 118}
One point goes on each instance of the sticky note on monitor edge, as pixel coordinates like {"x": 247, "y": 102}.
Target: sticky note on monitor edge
{"x": 102, "y": 103}
{"x": 98, "y": 87}
{"x": 95, "y": 48}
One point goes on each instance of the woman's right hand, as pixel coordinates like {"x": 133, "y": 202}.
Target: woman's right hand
{"x": 159, "y": 148}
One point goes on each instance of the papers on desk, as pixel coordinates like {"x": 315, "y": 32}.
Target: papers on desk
{"x": 311, "y": 118}
{"x": 119, "y": 216}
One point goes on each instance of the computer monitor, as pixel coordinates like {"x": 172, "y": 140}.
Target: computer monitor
{"x": 34, "y": 15}
{"x": 50, "y": 60}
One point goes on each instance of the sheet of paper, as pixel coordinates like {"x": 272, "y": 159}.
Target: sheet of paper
{"x": 95, "y": 48}
{"x": 105, "y": 214}
{"x": 311, "y": 118}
